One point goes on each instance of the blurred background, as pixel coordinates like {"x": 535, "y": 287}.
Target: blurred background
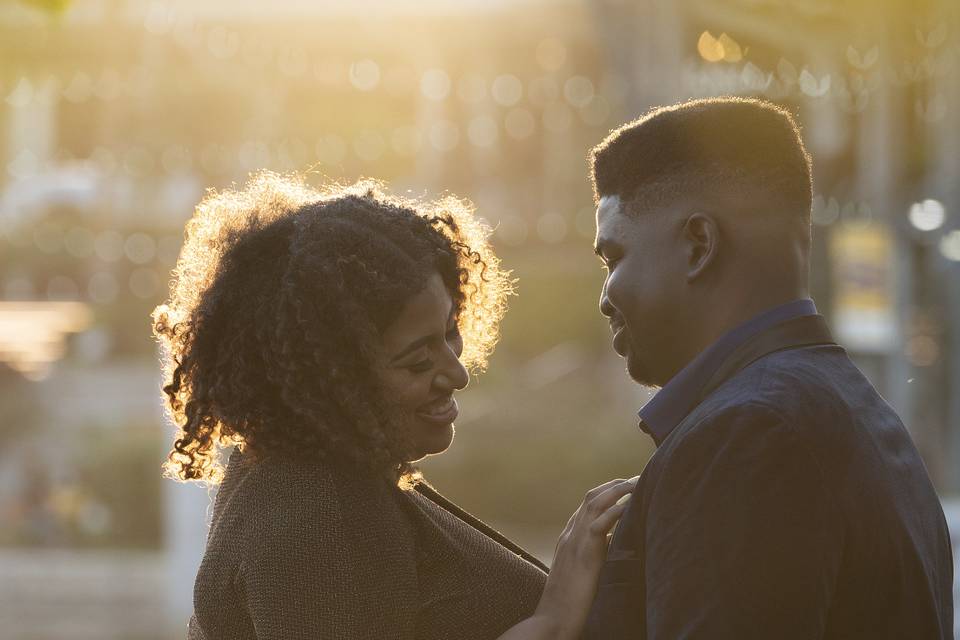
{"x": 116, "y": 115}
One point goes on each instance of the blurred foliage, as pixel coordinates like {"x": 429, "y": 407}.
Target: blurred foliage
{"x": 106, "y": 494}
{"x": 119, "y": 468}
{"x": 50, "y": 6}
{"x": 23, "y": 410}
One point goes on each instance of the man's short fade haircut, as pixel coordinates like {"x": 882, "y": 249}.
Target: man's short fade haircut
{"x": 746, "y": 147}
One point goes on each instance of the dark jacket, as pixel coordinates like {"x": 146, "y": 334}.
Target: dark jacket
{"x": 300, "y": 550}
{"x": 789, "y": 503}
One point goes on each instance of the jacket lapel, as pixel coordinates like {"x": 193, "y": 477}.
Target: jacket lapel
{"x": 805, "y": 331}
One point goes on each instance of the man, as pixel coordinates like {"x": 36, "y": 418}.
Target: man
{"x": 785, "y": 499}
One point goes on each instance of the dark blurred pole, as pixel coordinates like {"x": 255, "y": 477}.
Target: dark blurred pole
{"x": 953, "y": 372}
{"x": 946, "y": 168}
{"x": 879, "y": 180}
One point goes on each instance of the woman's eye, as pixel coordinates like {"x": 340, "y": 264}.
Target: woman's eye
{"x": 420, "y": 367}
{"x": 453, "y": 333}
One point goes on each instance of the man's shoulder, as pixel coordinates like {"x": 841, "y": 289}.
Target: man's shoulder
{"x": 810, "y": 401}
{"x": 811, "y": 396}
{"x": 798, "y": 385}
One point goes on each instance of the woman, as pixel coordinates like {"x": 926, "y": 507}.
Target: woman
{"x": 324, "y": 334}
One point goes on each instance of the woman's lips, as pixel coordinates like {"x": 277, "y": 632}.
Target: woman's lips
{"x": 443, "y": 412}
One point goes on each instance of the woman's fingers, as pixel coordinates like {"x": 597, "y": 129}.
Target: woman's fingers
{"x": 595, "y": 504}
{"x": 612, "y": 492}
{"x": 604, "y": 523}
{"x": 599, "y": 489}
{"x": 589, "y": 507}
{"x": 581, "y": 550}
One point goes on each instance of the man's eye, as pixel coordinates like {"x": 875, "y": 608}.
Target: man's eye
{"x": 610, "y": 264}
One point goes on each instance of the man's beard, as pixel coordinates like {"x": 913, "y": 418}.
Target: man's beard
{"x": 637, "y": 368}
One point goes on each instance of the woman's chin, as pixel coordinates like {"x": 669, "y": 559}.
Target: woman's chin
{"x": 432, "y": 439}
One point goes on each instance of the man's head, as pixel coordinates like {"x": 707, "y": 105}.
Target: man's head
{"x": 703, "y": 220}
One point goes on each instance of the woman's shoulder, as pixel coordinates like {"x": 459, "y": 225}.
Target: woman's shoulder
{"x": 256, "y": 496}
{"x": 292, "y": 495}
{"x": 272, "y": 482}
{"x": 292, "y": 533}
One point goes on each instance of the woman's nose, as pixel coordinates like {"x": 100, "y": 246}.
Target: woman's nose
{"x": 453, "y": 376}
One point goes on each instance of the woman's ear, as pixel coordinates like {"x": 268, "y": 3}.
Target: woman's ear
{"x": 701, "y": 234}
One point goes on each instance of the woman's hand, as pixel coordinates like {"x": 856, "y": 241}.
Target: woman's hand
{"x": 581, "y": 550}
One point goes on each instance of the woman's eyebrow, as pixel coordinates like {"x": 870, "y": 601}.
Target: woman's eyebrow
{"x": 413, "y": 346}
{"x": 419, "y": 342}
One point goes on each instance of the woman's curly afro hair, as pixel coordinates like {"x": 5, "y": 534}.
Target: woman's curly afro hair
{"x": 277, "y": 302}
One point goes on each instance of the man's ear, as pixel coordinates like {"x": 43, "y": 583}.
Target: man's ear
{"x": 702, "y": 236}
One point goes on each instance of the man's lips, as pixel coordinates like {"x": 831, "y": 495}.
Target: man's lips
{"x": 443, "y": 411}
{"x": 619, "y": 338}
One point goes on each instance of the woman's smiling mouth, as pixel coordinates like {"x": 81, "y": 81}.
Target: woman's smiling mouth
{"x": 442, "y": 411}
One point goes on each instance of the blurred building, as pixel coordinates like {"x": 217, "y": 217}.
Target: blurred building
{"x": 115, "y": 115}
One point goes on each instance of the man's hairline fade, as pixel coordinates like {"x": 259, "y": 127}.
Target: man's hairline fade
{"x": 708, "y": 176}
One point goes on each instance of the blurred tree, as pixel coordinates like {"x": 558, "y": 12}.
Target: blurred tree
{"x": 119, "y": 475}
{"x": 50, "y": 6}
{"x": 22, "y": 410}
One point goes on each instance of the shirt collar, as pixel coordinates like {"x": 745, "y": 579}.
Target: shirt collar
{"x": 682, "y": 393}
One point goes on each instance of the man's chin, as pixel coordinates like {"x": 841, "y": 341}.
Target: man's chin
{"x": 638, "y": 372}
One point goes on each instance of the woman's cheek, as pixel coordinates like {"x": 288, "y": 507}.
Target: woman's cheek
{"x": 397, "y": 385}
{"x": 417, "y": 390}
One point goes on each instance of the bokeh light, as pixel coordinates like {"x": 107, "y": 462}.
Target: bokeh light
{"x": 507, "y": 90}
{"x": 115, "y": 120}
{"x": 435, "y": 84}
{"x": 365, "y": 75}
{"x": 928, "y": 215}
{"x": 520, "y": 123}
{"x": 950, "y": 246}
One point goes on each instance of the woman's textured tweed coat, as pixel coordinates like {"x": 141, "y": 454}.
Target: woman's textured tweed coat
{"x": 300, "y": 550}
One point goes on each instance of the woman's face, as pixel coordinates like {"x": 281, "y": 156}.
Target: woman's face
{"x": 420, "y": 367}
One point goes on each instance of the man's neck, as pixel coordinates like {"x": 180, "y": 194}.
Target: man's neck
{"x": 739, "y": 310}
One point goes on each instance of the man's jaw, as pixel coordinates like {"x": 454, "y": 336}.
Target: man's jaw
{"x": 624, "y": 346}
{"x": 637, "y": 368}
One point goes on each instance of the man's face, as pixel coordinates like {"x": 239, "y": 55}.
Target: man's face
{"x": 643, "y": 289}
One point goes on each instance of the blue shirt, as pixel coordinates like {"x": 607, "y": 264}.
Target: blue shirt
{"x": 682, "y": 393}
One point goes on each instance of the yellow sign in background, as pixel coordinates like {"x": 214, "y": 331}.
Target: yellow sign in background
{"x": 862, "y": 257}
